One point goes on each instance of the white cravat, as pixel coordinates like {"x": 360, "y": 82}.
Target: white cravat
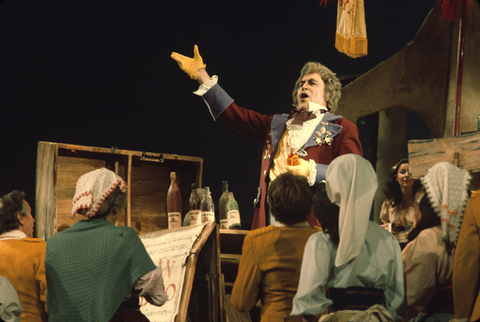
{"x": 13, "y": 234}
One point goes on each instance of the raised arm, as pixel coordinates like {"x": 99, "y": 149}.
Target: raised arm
{"x": 194, "y": 67}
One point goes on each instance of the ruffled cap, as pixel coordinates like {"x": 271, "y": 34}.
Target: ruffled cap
{"x": 93, "y": 188}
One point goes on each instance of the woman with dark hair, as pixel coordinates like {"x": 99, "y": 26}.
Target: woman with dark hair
{"x": 95, "y": 270}
{"x": 271, "y": 256}
{"x": 358, "y": 261}
{"x": 402, "y": 195}
{"x": 428, "y": 257}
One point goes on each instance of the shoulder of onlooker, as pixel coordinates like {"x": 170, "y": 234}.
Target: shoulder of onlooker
{"x": 475, "y": 195}
{"x": 125, "y": 231}
{"x": 262, "y": 231}
{"x": 33, "y": 240}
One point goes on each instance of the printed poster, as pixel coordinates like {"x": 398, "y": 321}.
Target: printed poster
{"x": 170, "y": 252}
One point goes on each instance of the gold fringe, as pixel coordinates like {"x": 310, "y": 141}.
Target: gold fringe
{"x": 352, "y": 47}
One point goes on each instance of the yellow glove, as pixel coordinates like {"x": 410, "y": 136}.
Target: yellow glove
{"x": 190, "y": 65}
{"x": 303, "y": 169}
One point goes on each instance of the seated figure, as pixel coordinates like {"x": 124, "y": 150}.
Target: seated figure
{"x": 428, "y": 257}
{"x": 358, "y": 261}
{"x": 10, "y": 308}
{"x": 22, "y": 257}
{"x": 271, "y": 256}
{"x": 95, "y": 270}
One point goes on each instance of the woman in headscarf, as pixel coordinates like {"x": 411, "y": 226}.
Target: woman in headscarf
{"x": 95, "y": 270}
{"x": 428, "y": 257}
{"x": 361, "y": 266}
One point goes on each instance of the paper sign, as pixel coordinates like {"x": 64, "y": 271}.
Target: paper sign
{"x": 169, "y": 251}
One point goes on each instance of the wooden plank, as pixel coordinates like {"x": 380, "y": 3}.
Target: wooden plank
{"x": 191, "y": 267}
{"x": 423, "y": 154}
{"x": 235, "y": 258}
{"x": 45, "y": 198}
{"x": 73, "y": 147}
{"x": 233, "y": 315}
{"x": 129, "y": 192}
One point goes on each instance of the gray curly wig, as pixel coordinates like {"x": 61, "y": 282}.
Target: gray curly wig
{"x": 332, "y": 84}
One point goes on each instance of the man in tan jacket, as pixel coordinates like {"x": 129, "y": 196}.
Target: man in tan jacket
{"x": 22, "y": 256}
{"x": 466, "y": 268}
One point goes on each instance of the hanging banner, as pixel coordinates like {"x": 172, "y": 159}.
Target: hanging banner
{"x": 351, "y": 35}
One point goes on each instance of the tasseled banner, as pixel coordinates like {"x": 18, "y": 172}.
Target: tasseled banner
{"x": 351, "y": 34}
{"x": 449, "y": 8}
{"x": 352, "y": 47}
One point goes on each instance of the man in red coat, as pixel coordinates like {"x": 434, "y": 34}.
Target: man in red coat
{"x": 312, "y": 131}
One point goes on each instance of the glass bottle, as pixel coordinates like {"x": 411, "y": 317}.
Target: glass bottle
{"x": 222, "y": 206}
{"x": 233, "y": 213}
{"x": 174, "y": 203}
{"x": 194, "y": 205}
{"x": 207, "y": 207}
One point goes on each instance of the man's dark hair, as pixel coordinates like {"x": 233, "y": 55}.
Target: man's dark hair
{"x": 290, "y": 198}
{"x": 326, "y": 213}
{"x": 11, "y": 205}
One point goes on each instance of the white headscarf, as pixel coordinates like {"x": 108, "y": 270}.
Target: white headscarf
{"x": 447, "y": 189}
{"x": 93, "y": 188}
{"x": 351, "y": 183}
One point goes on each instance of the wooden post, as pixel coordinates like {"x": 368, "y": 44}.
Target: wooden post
{"x": 460, "y": 52}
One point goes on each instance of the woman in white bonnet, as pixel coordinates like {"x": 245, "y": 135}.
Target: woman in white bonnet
{"x": 95, "y": 270}
{"x": 357, "y": 260}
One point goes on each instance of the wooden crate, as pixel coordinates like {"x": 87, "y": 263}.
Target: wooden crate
{"x": 231, "y": 242}
{"x": 147, "y": 174}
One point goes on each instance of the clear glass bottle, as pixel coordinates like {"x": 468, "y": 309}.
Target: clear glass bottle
{"x": 222, "y": 206}
{"x": 174, "y": 203}
{"x": 233, "y": 213}
{"x": 194, "y": 205}
{"x": 207, "y": 207}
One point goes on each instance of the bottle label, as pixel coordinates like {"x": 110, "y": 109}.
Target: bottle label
{"x": 223, "y": 223}
{"x": 195, "y": 217}
{"x": 174, "y": 220}
{"x": 233, "y": 218}
{"x": 208, "y": 216}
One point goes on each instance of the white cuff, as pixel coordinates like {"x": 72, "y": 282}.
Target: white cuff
{"x": 202, "y": 89}
{"x": 313, "y": 172}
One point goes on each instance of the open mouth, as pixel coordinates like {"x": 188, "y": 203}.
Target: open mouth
{"x": 303, "y": 95}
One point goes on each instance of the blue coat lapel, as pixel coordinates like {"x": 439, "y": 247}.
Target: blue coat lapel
{"x": 326, "y": 122}
{"x": 279, "y": 126}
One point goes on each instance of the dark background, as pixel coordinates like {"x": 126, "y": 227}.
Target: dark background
{"x": 98, "y": 73}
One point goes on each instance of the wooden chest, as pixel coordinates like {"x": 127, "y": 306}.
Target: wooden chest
{"x": 147, "y": 174}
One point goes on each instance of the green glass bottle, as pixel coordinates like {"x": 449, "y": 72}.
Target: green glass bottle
{"x": 222, "y": 206}
{"x": 194, "y": 214}
{"x": 233, "y": 213}
{"x": 207, "y": 207}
